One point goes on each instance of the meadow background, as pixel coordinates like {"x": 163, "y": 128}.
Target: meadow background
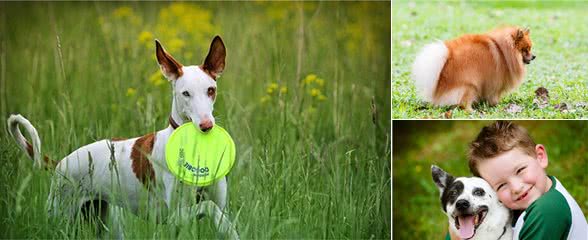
{"x": 417, "y": 210}
{"x": 558, "y": 32}
{"x": 305, "y": 96}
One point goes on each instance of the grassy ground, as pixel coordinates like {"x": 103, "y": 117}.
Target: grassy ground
{"x": 417, "y": 211}
{"x": 305, "y": 95}
{"x": 558, "y": 34}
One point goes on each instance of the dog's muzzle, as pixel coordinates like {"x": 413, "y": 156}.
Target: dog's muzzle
{"x": 467, "y": 219}
{"x": 528, "y": 60}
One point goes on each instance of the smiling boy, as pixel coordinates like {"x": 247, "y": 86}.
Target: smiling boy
{"x": 507, "y": 157}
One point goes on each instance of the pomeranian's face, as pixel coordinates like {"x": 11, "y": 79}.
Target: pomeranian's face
{"x": 523, "y": 43}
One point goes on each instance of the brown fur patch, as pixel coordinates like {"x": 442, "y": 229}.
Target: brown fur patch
{"x": 140, "y": 159}
{"x": 49, "y": 164}
{"x": 30, "y": 149}
{"x": 116, "y": 139}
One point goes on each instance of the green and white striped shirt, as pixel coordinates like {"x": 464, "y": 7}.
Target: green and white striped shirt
{"x": 554, "y": 215}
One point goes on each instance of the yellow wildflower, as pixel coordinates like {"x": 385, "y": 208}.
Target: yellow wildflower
{"x": 145, "y": 37}
{"x": 156, "y": 78}
{"x": 283, "y": 90}
{"x": 418, "y": 168}
{"x": 309, "y": 79}
{"x": 273, "y": 86}
{"x": 176, "y": 45}
{"x": 131, "y": 92}
{"x": 322, "y": 97}
{"x": 320, "y": 82}
{"x": 270, "y": 90}
{"x": 122, "y": 12}
{"x": 315, "y": 92}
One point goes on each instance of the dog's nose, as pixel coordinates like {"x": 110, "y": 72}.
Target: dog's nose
{"x": 462, "y": 205}
{"x": 205, "y": 125}
{"x": 533, "y": 58}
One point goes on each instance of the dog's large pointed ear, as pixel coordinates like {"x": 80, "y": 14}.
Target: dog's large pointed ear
{"x": 215, "y": 60}
{"x": 170, "y": 68}
{"x": 441, "y": 178}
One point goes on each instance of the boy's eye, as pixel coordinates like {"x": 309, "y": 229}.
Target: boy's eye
{"x": 186, "y": 93}
{"x": 499, "y": 187}
{"x": 520, "y": 170}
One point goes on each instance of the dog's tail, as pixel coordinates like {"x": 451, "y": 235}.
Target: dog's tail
{"x": 427, "y": 67}
{"x": 32, "y": 150}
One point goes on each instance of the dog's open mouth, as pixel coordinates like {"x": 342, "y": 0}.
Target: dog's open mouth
{"x": 468, "y": 223}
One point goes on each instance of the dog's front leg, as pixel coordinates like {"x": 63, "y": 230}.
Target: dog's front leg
{"x": 116, "y": 222}
{"x": 219, "y": 192}
{"x": 184, "y": 215}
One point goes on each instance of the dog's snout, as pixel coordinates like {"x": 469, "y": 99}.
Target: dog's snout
{"x": 205, "y": 125}
{"x": 533, "y": 58}
{"x": 462, "y": 205}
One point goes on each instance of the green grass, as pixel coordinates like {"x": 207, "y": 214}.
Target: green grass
{"x": 558, "y": 34}
{"x": 417, "y": 211}
{"x": 308, "y": 165}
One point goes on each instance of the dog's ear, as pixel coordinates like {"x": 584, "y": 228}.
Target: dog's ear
{"x": 441, "y": 178}
{"x": 519, "y": 34}
{"x": 526, "y": 31}
{"x": 215, "y": 60}
{"x": 170, "y": 68}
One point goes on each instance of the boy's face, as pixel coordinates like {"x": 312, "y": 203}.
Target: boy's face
{"x": 519, "y": 179}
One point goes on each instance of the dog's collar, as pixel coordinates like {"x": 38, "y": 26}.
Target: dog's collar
{"x": 503, "y": 232}
{"x": 173, "y": 123}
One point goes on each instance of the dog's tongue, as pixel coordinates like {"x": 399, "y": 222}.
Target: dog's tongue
{"x": 466, "y": 227}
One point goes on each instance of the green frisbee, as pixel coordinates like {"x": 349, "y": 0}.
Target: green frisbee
{"x": 199, "y": 158}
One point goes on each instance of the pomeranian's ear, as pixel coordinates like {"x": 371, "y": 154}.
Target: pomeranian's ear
{"x": 519, "y": 34}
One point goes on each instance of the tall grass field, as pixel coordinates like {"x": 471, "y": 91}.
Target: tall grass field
{"x": 305, "y": 96}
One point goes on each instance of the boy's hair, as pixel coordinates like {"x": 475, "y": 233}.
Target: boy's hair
{"x": 497, "y": 138}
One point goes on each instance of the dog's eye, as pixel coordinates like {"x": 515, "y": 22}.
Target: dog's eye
{"x": 211, "y": 92}
{"x": 479, "y": 192}
{"x": 186, "y": 93}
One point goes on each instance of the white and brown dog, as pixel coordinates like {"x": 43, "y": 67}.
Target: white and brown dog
{"x": 125, "y": 173}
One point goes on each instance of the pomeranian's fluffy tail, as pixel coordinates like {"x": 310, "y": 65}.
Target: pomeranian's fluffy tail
{"x": 427, "y": 67}
{"x": 34, "y": 150}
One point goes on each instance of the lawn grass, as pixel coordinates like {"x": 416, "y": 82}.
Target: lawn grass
{"x": 305, "y": 96}
{"x": 417, "y": 210}
{"x": 557, "y": 30}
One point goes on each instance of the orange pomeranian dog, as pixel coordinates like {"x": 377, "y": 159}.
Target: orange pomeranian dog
{"x": 473, "y": 67}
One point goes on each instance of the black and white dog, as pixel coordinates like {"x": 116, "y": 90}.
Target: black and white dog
{"x": 472, "y": 207}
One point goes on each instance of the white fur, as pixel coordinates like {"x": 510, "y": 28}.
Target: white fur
{"x": 451, "y": 97}
{"x": 497, "y": 217}
{"x": 427, "y": 67}
{"x": 13, "y": 122}
{"x": 198, "y": 106}
{"x": 496, "y": 224}
{"x": 109, "y": 176}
